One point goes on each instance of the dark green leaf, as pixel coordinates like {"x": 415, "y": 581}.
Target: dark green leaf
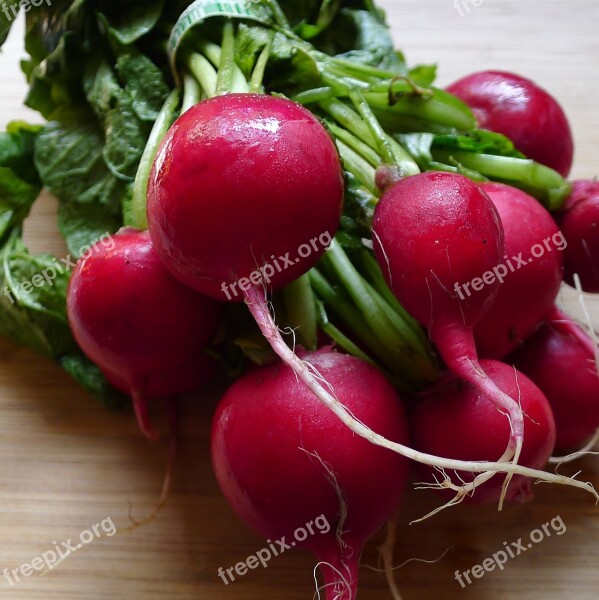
{"x": 249, "y": 42}
{"x": 32, "y": 304}
{"x": 126, "y": 138}
{"x": 70, "y": 162}
{"x": 131, "y": 22}
{"x": 328, "y": 11}
{"x": 423, "y": 75}
{"x": 480, "y": 141}
{"x": 8, "y": 14}
{"x": 19, "y": 181}
{"x": 59, "y": 39}
{"x": 90, "y": 377}
{"x": 359, "y": 36}
{"x": 144, "y": 82}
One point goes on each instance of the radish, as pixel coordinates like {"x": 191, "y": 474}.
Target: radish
{"x": 579, "y": 221}
{"x": 142, "y": 327}
{"x": 560, "y": 359}
{"x": 431, "y": 232}
{"x": 480, "y": 432}
{"x": 246, "y": 190}
{"x": 530, "y": 271}
{"x": 282, "y": 459}
{"x": 521, "y": 110}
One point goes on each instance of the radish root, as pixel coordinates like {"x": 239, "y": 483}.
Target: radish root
{"x": 256, "y": 302}
{"x": 339, "y": 593}
{"x": 386, "y": 556}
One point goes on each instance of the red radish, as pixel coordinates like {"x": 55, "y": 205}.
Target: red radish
{"x": 456, "y": 420}
{"x": 579, "y": 221}
{"x": 521, "y": 110}
{"x": 530, "y": 272}
{"x": 432, "y": 232}
{"x": 560, "y": 359}
{"x": 246, "y": 190}
{"x": 141, "y": 326}
{"x": 283, "y": 459}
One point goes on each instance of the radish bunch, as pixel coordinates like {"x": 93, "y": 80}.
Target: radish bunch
{"x": 252, "y": 200}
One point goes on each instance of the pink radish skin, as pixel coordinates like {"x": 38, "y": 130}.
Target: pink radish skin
{"x": 271, "y": 440}
{"x": 521, "y": 110}
{"x": 560, "y": 359}
{"x": 240, "y": 182}
{"x": 529, "y": 290}
{"x": 455, "y": 420}
{"x": 432, "y": 232}
{"x": 141, "y": 326}
{"x": 579, "y": 221}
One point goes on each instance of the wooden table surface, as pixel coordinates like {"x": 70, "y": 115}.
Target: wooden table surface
{"x": 68, "y": 464}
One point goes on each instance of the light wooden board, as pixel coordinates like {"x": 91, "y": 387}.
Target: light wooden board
{"x": 67, "y": 464}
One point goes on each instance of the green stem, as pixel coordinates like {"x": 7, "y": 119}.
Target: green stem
{"x": 192, "y": 92}
{"x": 361, "y": 293}
{"x": 339, "y": 337}
{"x": 224, "y": 82}
{"x": 354, "y": 69}
{"x": 357, "y": 145}
{"x": 441, "y": 108}
{"x": 348, "y": 313}
{"x": 538, "y": 180}
{"x": 350, "y": 119}
{"x": 140, "y": 187}
{"x": 389, "y": 149}
{"x": 257, "y": 78}
{"x": 371, "y": 268}
{"x": 214, "y": 55}
{"x": 397, "y": 123}
{"x": 301, "y": 310}
{"x": 351, "y": 348}
{"x": 356, "y": 165}
{"x": 315, "y": 95}
{"x": 204, "y": 73}
{"x": 279, "y": 15}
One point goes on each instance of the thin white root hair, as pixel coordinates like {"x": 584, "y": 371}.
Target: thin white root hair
{"x": 256, "y": 303}
{"x": 386, "y": 555}
{"x": 342, "y": 579}
{"x": 518, "y": 450}
{"x": 462, "y": 491}
{"x": 332, "y": 479}
{"x": 419, "y": 560}
{"x": 513, "y": 412}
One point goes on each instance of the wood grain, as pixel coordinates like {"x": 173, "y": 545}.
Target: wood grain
{"x": 67, "y": 464}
